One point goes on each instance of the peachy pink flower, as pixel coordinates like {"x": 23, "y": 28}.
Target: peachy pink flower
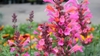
{"x": 55, "y": 50}
{"x": 60, "y": 31}
{"x": 46, "y": 54}
{"x": 50, "y": 1}
{"x": 26, "y": 54}
{"x": 41, "y": 42}
{"x": 51, "y": 19}
{"x": 88, "y": 39}
{"x": 62, "y": 19}
{"x": 35, "y": 32}
{"x": 26, "y": 42}
{"x": 12, "y": 49}
{"x": 76, "y": 48}
{"x": 10, "y": 42}
{"x": 61, "y": 42}
{"x": 73, "y": 2}
{"x": 36, "y": 54}
{"x": 67, "y": 31}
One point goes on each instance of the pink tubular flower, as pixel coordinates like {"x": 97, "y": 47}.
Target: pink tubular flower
{"x": 49, "y": 8}
{"x": 35, "y": 32}
{"x": 88, "y": 39}
{"x": 41, "y": 42}
{"x": 73, "y": 2}
{"x": 74, "y": 16}
{"x": 46, "y": 54}
{"x": 67, "y": 31}
{"x": 39, "y": 47}
{"x": 26, "y": 42}
{"x": 36, "y": 54}
{"x": 10, "y": 42}
{"x": 50, "y": 1}
{"x": 12, "y": 49}
{"x": 26, "y": 54}
{"x": 51, "y": 19}
{"x": 61, "y": 23}
{"x": 62, "y": 19}
{"x": 60, "y": 31}
{"x": 86, "y": 2}
{"x": 55, "y": 50}
{"x": 61, "y": 42}
{"x": 76, "y": 48}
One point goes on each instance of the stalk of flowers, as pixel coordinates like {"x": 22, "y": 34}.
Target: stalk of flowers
{"x": 44, "y": 44}
{"x": 17, "y": 43}
{"x": 31, "y": 16}
{"x": 84, "y": 20}
{"x": 63, "y": 27}
{"x": 67, "y": 24}
{"x": 23, "y": 43}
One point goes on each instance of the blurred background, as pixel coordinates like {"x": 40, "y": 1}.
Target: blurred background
{"x": 23, "y": 8}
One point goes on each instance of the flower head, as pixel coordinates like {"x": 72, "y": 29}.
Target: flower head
{"x": 26, "y": 54}
{"x": 12, "y": 49}
{"x": 50, "y": 1}
{"x": 76, "y": 48}
{"x": 61, "y": 42}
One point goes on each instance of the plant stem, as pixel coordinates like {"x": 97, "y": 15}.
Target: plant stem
{"x": 30, "y": 39}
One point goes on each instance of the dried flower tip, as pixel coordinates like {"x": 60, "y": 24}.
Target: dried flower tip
{"x": 1, "y": 27}
{"x": 14, "y": 18}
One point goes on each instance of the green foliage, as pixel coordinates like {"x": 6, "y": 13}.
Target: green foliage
{"x": 23, "y": 28}
{"x": 5, "y": 51}
{"x": 8, "y": 30}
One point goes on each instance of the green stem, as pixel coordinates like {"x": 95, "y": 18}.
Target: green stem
{"x": 30, "y": 39}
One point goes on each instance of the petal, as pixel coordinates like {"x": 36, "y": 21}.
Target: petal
{"x": 62, "y": 19}
{"x": 26, "y": 54}
{"x": 67, "y": 31}
{"x": 76, "y": 48}
{"x": 61, "y": 42}
{"x": 60, "y": 31}
{"x": 35, "y": 32}
{"x": 50, "y": 8}
{"x": 36, "y": 54}
{"x": 55, "y": 50}
{"x": 50, "y": 1}
{"x": 12, "y": 49}
{"x": 51, "y": 19}
{"x": 41, "y": 42}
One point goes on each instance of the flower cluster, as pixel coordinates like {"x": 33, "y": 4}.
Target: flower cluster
{"x": 18, "y": 42}
{"x": 69, "y": 24}
{"x": 66, "y": 33}
{"x": 45, "y": 42}
{"x": 31, "y": 16}
{"x": 14, "y": 20}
